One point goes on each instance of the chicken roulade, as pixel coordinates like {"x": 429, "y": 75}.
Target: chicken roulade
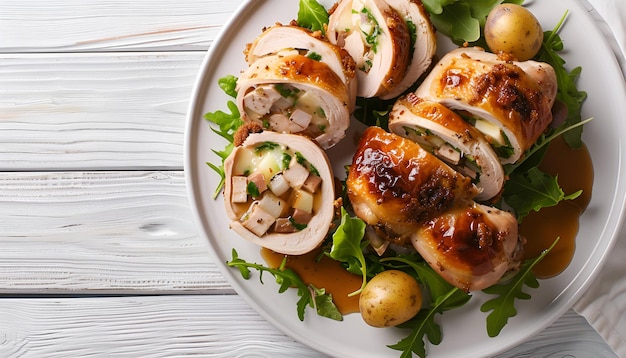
{"x": 509, "y": 102}
{"x": 292, "y": 38}
{"x": 423, "y": 43}
{"x": 394, "y": 184}
{"x": 279, "y": 192}
{"x": 392, "y": 42}
{"x": 452, "y": 139}
{"x": 471, "y": 246}
{"x": 292, "y": 93}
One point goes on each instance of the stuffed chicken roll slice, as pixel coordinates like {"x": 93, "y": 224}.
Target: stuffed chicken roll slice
{"x": 295, "y": 94}
{"x": 445, "y": 134}
{"x": 378, "y": 39}
{"x": 292, "y": 38}
{"x": 279, "y": 192}
{"x": 423, "y": 43}
{"x": 509, "y": 102}
{"x": 394, "y": 184}
{"x": 471, "y": 246}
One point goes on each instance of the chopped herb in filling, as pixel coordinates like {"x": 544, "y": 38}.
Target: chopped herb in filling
{"x": 286, "y": 108}
{"x": 314, "y": 56}
{"x": 275, "y": 189}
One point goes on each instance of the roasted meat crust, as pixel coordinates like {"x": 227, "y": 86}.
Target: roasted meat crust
{"x": 471, "y": 246}
{"x": 394, "y": 182}
{"x": 517, "y": 95}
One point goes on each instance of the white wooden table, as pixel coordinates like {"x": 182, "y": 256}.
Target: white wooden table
{"x": 98, "y": 251}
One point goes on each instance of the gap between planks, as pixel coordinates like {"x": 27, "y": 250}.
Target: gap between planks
{"x": 97, "y": 233}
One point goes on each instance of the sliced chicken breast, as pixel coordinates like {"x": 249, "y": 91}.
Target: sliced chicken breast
{"x": 452, "y": 139}
{"x": 394, "y": 185}
{"x": 423, "y": 43}
{"x": 377, "y": 37}
{"x": 471, "y": 246}
{"x": 279, "y": 192}
{"x": 509, "y": 102}
{"x": 286, "y": 38}
{"x": 292, "y": 93}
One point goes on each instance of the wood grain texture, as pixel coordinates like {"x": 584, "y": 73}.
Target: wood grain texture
{"x": 93, "y": 96}
{"x": 115, "y": 25}
{"x": 212, "y": 325}
{"x": 101, "y": 232}
{"x": 94, "y": 111}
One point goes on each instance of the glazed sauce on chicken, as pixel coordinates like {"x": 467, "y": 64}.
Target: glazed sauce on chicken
{"x": 325, "y": 273}
{"x": 575, "y": 172}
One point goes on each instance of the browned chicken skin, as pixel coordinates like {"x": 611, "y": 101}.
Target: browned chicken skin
{"x": 394, "y": 184}
{"x": 470, "y": 246}
{"x": 408, "y": 195}
{"x": 516, "y": 97}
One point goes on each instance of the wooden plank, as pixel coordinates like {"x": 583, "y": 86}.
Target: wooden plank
{"x": 215, "y": 325}
{"x": 94, "y": 111}
{"x": 122, "y": 25}
{"x": 102, "y": 232}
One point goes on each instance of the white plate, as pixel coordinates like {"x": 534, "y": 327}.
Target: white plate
{"x": 464, "y": 329}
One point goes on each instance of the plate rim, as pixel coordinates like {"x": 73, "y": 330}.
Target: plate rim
{"x": 194, "y": 119}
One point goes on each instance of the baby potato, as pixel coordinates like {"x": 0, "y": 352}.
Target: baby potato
{"x": 390, "y": 298}
{"x": 513, "y": 29}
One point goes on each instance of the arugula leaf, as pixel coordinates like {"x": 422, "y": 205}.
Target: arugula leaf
{"x": 373, "y": 111}
{"x": 535, "y": 154}
{"x": 228, "y": 84}
{"x": 347, "y": 246}
{"x": 533, "y": 190}
{"x": 312, "y": 15}
{"x": 435, "y": 7}
{"x": 286, "y": 278}
{"x": 462, "y": 20}
{"x": 503, "y": 306}
{"x": 227, "y": 123}
{"x": 567, "y": 91}
{"x": 423, "y": 324}
{"x": 456, "y": 21}
{"x": 324, "y": 304}
{"x": 444, "y": 297}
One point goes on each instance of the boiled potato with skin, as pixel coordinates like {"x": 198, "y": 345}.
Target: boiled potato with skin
{"x": 390, "y": 298}
{"x": 513, "y": 29}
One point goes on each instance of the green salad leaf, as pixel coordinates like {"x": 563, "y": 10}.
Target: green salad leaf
{"x": 567, "y": 92}
{"x": 348, "y": 246}
{"x": 533, "y": 190}
{"x": 312, "y": 15}
{"x": 227, "y": 125}
{"x": 527, "y": 189}
{"x": 310, "y": 295}
{"x": 461, "y": 20}
{"x": 228, "y": 84}
{"x": 444, "y": 297}
{"x": 502, "y": 307}
{"x": 457, "y": 22}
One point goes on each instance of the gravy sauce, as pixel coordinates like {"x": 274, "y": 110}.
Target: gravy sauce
{"x": 325, "y": 273}
{"x": 575, "y": 172}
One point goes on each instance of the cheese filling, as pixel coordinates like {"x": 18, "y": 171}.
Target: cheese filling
{"x": 285, "y": 108}
{"x": 455, "y": 157}
{"x": 275, "y": 189}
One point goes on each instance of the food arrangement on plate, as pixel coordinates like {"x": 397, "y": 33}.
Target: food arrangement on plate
{"x": 446, "y": 168}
